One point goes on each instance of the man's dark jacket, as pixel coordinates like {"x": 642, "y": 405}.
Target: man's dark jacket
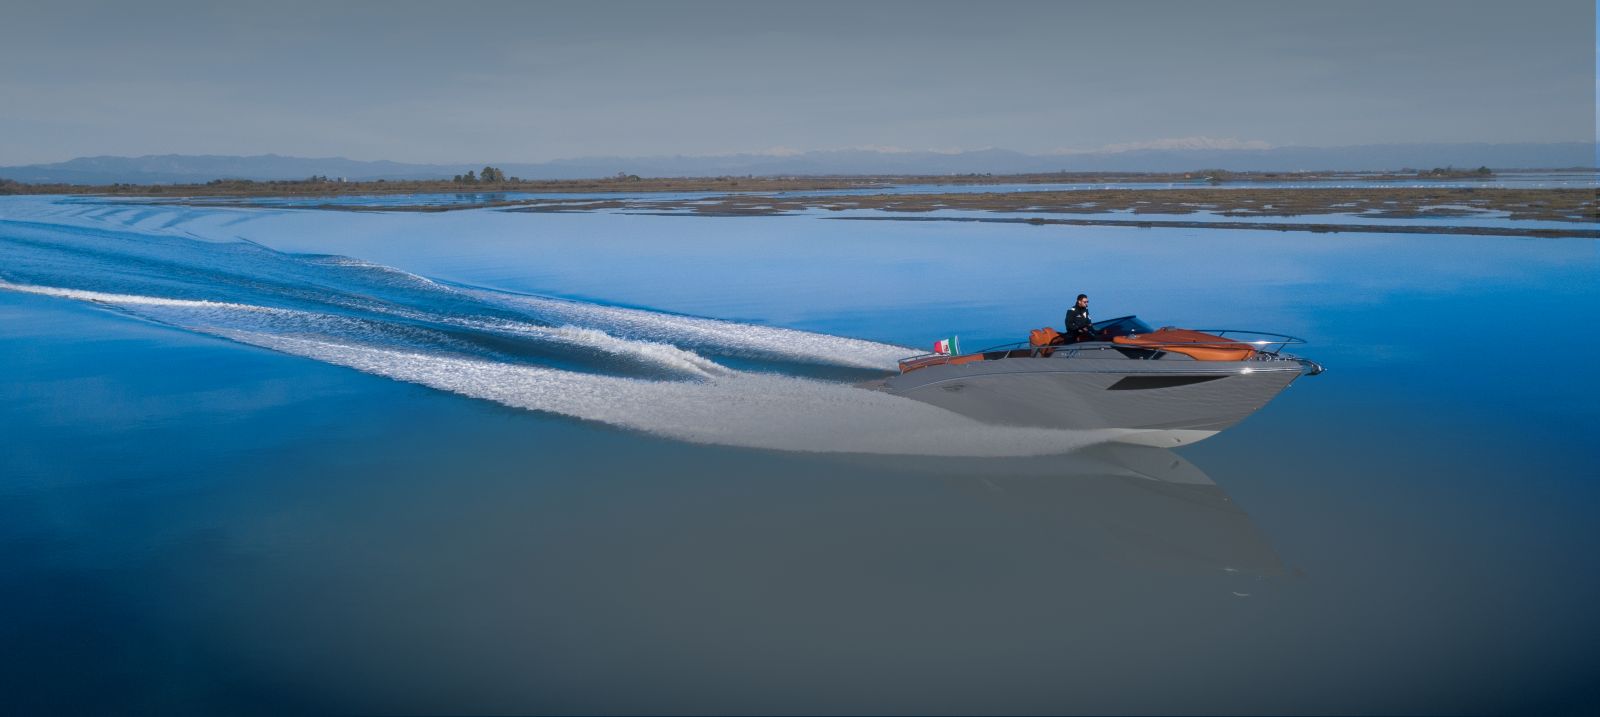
{"x": 1078, "y": 321}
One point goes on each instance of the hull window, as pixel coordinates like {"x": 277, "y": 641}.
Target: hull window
{"x": 1140, "y": 383}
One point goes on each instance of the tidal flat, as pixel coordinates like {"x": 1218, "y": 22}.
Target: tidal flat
{"x": 1528, "y": 211}
{"x": 1576, "y": 205}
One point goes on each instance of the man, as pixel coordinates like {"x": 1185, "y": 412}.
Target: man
{"x": 1078, "y": 321}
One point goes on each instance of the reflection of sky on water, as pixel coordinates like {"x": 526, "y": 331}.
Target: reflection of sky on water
{"x": 911, "y": 281}
{"x": 195, "y": 525}
{"x": 973, "y": 278}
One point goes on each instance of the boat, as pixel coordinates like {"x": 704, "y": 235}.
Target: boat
{"x": 1160, "y": 387}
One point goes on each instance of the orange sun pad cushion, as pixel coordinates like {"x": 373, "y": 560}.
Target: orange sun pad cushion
{"x": 1207, "y": 347}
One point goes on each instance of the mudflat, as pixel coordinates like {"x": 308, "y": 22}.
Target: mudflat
{"x": 1566, "y": 204}
{"x": 1543, "y": 204}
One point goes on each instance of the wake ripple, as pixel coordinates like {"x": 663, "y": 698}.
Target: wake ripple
{"x": 632, "y": 368}
{"x": 716, "y": 405}
{"x": 753, "y": 410}
{"x": 723, "y": 337}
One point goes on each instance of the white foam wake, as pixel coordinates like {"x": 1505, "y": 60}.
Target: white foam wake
{"x": 662, "y": 354}
{"x": 723, "y": 406}
{"x": 106, "y": 298}
{"x": 738, "y": 409}
{"x": 215, "y": 316}
{"x": 708, "y": 334}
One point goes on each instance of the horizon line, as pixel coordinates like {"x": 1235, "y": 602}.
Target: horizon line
{"x": 1164, "y": 145}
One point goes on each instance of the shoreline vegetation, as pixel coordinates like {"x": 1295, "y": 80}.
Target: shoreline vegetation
{"x": 762, "y": 196}
{"x": 493, "y": 180}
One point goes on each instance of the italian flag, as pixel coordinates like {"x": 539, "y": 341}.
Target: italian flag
{"x": 948, "y": 346}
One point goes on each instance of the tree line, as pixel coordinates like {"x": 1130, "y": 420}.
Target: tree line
{"x": 489, "y": 175}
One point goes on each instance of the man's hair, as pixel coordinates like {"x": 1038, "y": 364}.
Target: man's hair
{"x": 1083, "y": 296}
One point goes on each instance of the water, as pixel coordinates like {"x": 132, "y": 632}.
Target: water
{"x": 283, "y": 460}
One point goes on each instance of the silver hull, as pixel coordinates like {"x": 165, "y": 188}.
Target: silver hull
{"x": 1150, "y": 402}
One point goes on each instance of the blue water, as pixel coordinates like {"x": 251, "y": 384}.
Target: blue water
{"x": 279, "y": 460}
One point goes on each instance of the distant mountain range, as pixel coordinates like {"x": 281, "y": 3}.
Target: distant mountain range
{"x": 178, "y": 168}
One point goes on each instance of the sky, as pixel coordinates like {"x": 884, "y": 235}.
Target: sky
{"x": 529, "y": 82}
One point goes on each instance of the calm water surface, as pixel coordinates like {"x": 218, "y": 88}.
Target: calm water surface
{"x": 277, "y": 460}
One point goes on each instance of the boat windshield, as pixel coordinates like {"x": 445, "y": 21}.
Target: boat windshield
{"x": 1120, "y": 326}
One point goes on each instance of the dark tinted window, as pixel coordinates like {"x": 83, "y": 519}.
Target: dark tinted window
{"x": 1120, "y": 326}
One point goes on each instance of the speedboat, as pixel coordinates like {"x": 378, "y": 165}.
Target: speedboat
{"x": 1160, "y": 387}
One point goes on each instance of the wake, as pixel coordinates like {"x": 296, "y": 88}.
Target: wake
{"x": 654, "y": 372}
{"x": 707, "y": 403}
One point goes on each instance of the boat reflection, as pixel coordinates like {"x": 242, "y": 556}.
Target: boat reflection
{"x": 1129, "y": 505}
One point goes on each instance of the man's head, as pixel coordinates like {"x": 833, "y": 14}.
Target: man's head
{"x": 1083, "y": 301}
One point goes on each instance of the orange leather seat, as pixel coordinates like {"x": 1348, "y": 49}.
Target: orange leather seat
{"x": 1205, "y": 347}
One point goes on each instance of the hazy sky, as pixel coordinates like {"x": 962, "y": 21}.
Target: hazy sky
{"x": 509, "y": 82}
